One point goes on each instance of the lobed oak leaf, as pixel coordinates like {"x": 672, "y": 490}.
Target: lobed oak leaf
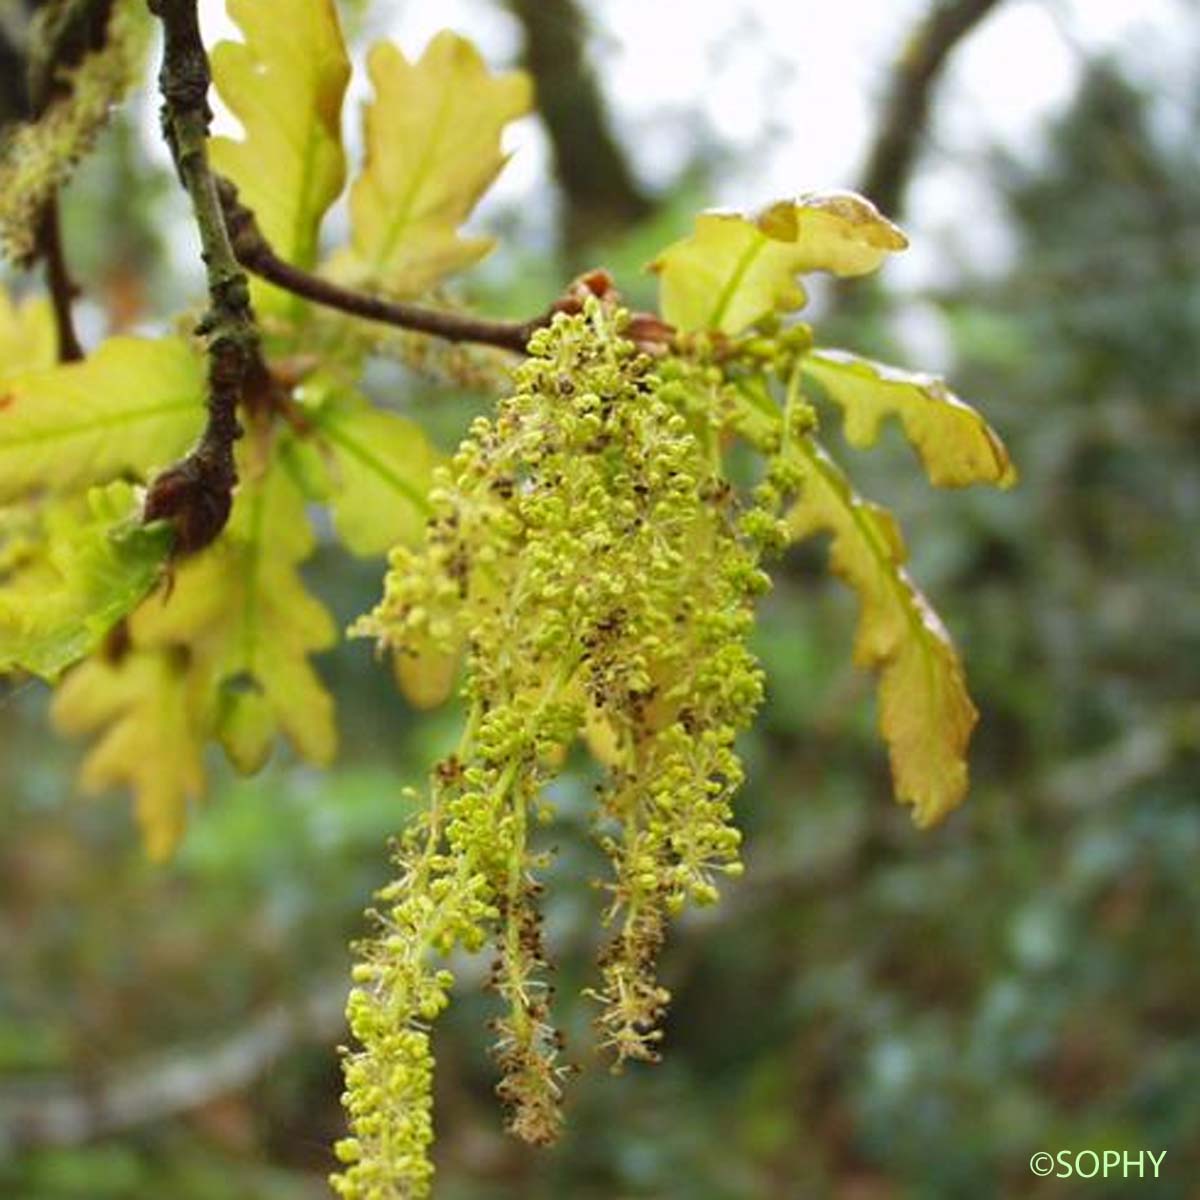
{"x": 432, "y": 136}
{"x": 734, "y": 269}
{"x": 285, "y": 84}
{"x": 925, "y": 713}
{"x": 956, "y": 445}
{"x": 375, "y": 470}
{"x": 132, "y": 406}
{"x": 94, "y": 562}
{"x": 224, "y": 654}
{"x": 151, "y": 733}
{"x": 242, "y": 610}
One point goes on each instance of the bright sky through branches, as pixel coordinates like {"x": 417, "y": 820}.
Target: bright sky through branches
{"x": 747, "y": 76}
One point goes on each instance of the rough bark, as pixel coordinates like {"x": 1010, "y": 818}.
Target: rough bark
{"x": 196, "y": 493}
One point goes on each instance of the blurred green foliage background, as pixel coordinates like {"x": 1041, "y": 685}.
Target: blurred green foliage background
{"x": 872, "y": 1013}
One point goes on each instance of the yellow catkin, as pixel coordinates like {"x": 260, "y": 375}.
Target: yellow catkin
{"x": 587, "y": 551}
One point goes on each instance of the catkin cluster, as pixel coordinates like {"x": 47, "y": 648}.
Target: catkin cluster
{"x": 590, "y": 559}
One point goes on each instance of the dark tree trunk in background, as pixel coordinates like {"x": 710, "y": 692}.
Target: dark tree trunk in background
{"x": 599, "y": 192}
{"x": 905, "y": 116}
{"x": 900, "y": 131}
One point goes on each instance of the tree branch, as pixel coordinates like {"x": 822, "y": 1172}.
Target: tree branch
{"x": 914, "y": 75}
{"x": 68, "y": 33}
{"x": 196, "y": 493}
{"x": 255, "y": 254}
{"x": 174, "y": 1082}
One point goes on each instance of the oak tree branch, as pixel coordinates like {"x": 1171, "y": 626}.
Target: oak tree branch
{"x": 255, "y": 254}
{"x": 65, "y": 34}
{"x": 196, "y": 493}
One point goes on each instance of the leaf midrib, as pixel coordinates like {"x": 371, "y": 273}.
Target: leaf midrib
{"x": 743, "y": 264}
{"x": 891, "y": 571}
{"x": 253, "y": 568}
{"x": 408, "y": 201}
{"x": 96, "y": 424}
{"x": 329, "y": 427}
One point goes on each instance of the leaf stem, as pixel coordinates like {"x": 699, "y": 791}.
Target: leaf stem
{"x": 196, "y": 493}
